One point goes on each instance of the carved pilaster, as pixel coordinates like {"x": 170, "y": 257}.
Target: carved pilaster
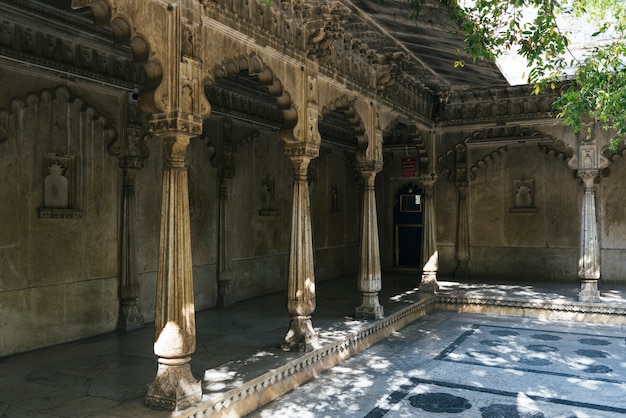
{"x": 589, "y": 262}
{"x": 131, "y": 151}
{"x": 369, "y": 267}
{"x": 462, "y": 225}
{"x": 430, "y": 254}
{"x": 131, "y": 318}
{"x": 462, "y": 234}
{"x": 225, "y": 295}
{"x": 175, "y": 331}
{"x": 301, "y": 287}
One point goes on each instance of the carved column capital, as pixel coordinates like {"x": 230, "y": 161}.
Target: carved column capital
{"x": 301, "y": 151}
{"x": 301, "y": 155}
{"x": 163, "y": 123}
{"x": 369, "y": 166}
{"x": 589, "y": 177}
{"x": 428, "y": 181}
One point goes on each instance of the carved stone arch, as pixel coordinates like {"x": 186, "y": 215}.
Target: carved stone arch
{"x": 612, "y": 156}
{"x": 243, "y": 78}
{"x": 402, "y": 138}
{"x": 54, "y": 130}
{"x": 556, "y": 148}
{"x": 341, "y": 125}
{"x": 498, "y": 139}
{"x": 487, "y": 158}
{"x": 140, "y": 47}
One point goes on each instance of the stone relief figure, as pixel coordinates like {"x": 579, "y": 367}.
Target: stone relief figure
{"x": 334, "y": 203}
{"x": 267, "y": 197}
{"x": 187, "y": 99}
{"x": 267, "y": 191}
{"x": 56, "y": 190}
{"x": 187, "y": 45}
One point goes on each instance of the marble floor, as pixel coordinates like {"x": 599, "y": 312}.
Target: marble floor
{"x": 467, "y": 365}
{"x": 106, "y": 376}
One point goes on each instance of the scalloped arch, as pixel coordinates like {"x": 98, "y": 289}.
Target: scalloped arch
{"x": 124, "y": 32}
{"x": 62, "y": 93}
{"x": 345, "y": 106}
{"x": 254, "y": 65}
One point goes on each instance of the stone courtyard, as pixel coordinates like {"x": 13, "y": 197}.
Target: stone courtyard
{"x": 539, "y": 357}
{"x": 206, "y": 203}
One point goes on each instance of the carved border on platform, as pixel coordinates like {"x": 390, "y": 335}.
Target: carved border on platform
{"x": 347, "y": 346}
{"x": 362, "y": 339}
{"x": 570, "y": 306}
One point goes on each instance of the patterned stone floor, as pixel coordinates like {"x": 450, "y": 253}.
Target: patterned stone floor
{"x": 465, "y": 365}
{"x": 442, "y": 361}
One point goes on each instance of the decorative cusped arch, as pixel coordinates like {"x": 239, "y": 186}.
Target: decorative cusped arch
{"x": 401, "y": 137}
{"x": 105, "y": 13}
{"x": 252, "y": 66}
{"x": 342, "y": 125}
{"x": 497, "y": 140}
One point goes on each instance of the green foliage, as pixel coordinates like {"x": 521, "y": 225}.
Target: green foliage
{"x": 531, "y": 27}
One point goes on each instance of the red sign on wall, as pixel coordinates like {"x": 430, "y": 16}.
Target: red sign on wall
{"x": 408, "y": 167}
{"x": 408, "y": 163}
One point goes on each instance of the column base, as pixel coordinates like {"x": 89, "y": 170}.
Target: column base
{"x": 429, "y": 282}
{"x": 174, "y": 387}
{"x": 589, "y": 292}
{"x": 225, "y": 294}
{"x": 370, "y": 308}
{"x": 301, "y": 336}
{"x": 130, "y": 317}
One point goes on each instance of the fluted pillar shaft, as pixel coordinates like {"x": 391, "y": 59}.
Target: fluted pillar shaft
{"x": 225, "y": 295}
{"x": 301, "y": 287}
{"x": 175, "y": 332}
{"x": 589, "y": 262}
{"x": 369, "y": 271}
{"x": 430, "y": 254}
{"x": 462, "y": 234}
{"x": 131, "y": 317}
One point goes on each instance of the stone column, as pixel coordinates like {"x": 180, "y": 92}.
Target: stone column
{"x": 369, "y": 271}
{"x": 462, "y": 234}
{"x": 301, "y": 287}
{"x": 174, "y": 387}
{"x": 430, "y": 255}
{"x": 589, "y": 262}
{"x": 225, "y": 296}
{"x": 131, "y": 318}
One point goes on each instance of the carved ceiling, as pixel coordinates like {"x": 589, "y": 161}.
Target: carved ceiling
{"x": 390, "y": 52}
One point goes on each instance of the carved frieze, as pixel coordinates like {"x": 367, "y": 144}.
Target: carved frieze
{"x": 67, "y": 50}
{"x": 344, "y": 46}
{"x": 502, "y": 103}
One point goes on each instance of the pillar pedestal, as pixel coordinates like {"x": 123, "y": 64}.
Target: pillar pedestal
{"x": 174, "y": 387}
{"x": 589, "y": 291}
{"x": 301, "y": 336}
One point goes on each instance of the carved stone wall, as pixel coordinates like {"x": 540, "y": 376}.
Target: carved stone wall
{"x": 59, "y": 216}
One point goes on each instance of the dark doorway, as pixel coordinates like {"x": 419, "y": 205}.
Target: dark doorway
{"x": 408, "y": 226}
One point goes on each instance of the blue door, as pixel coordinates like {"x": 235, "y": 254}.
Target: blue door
{"x": 408, "y": 226}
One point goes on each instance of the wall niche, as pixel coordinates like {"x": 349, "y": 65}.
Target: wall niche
{"x": 59, "y": 184}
